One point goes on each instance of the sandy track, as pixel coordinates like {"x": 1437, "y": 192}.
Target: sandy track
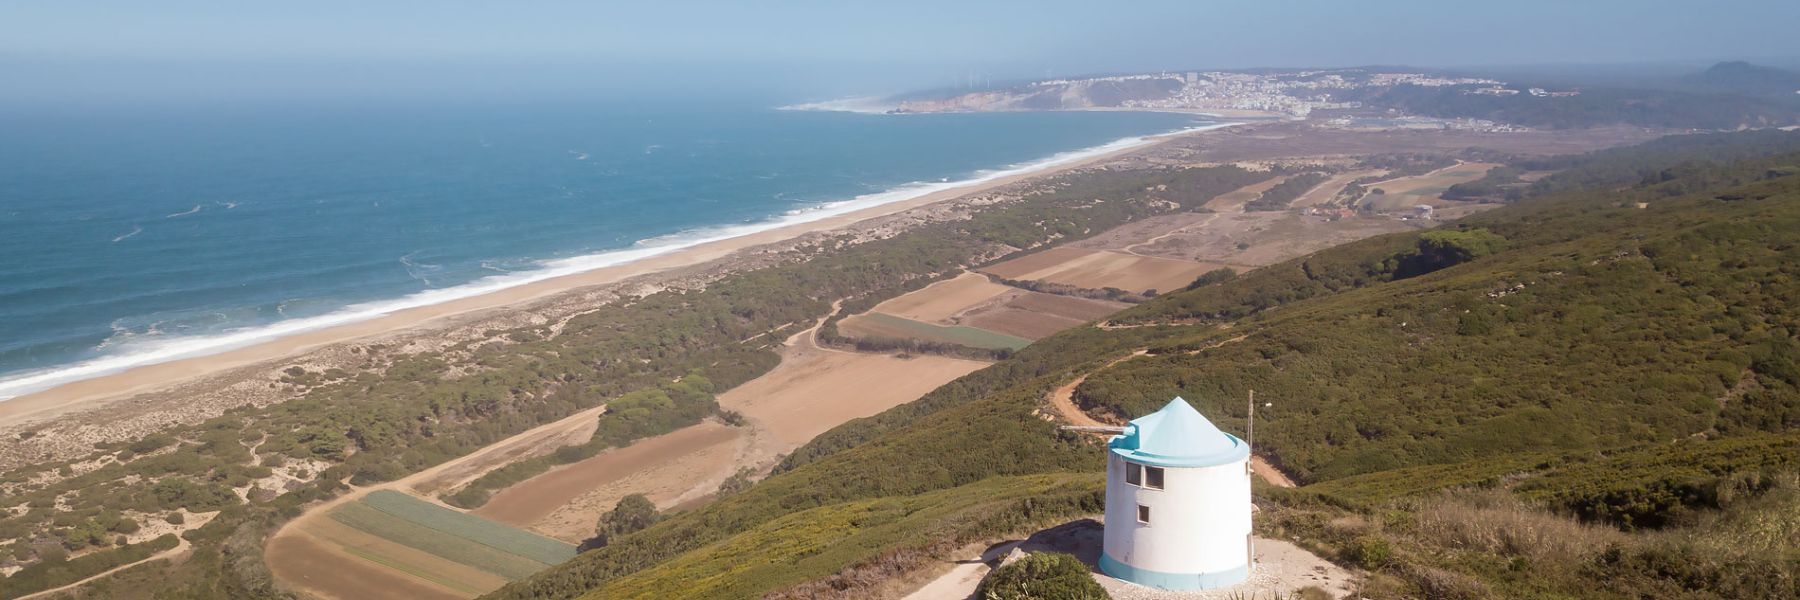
{"x": 813, "y": 390}
{"x": 1203, "y": 222}
{"x": 662, "y": 467}
{"x": 1062, "y": 401}
{"x": 300, "y": 560}
{"x": 1234, "y": 201}
{"x": 181, "y": 546}
{"x": 1324, "y": 192}
{"x": 565, "y": 432}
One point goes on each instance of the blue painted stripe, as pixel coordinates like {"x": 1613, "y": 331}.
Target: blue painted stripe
{"x": 1173, "y": 581}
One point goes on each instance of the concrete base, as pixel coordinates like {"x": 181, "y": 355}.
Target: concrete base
{"x": 1173, "y": 581}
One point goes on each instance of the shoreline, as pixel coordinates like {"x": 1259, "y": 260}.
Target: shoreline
{"x": 97, "y": 391}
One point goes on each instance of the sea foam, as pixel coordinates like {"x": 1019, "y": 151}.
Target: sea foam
{"x": 864, "y": 105}
{"x": 143, "y": 352}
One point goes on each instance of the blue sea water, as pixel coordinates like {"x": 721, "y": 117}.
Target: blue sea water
{"x": 130, "y": 239}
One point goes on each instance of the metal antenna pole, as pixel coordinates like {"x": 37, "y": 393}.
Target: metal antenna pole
{"x": 1250, "y": 426}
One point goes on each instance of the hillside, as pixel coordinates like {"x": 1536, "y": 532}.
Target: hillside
{"x": 1591, "y": 107}
{"x": 1744, "y": 78}
{"x": 1590, "y": 393}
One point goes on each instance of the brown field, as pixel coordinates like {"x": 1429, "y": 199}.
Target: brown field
{"x": 1034, "y": 315}
{"x": 940, "y": 301}
{"x": 1100, "y": 269}
{"x": 399, "y": 557}
{"x": 317, "y": 568}
{"x": 1406, "y": 192}
{"x": 1134, "y": 235}
{"x": 1233, "y": 201}
{"x": 813, "y": 389}
{"x": 883, "y": 325}
{"x": 1325, "y": 192}
{"x": 544, "y": 440}
{"x": 672, "y": 455}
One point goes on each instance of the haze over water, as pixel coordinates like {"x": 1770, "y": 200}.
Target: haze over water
{"x": 131, "y": 239}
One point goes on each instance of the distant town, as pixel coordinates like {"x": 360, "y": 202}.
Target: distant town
{"x": 1285, "y": 94}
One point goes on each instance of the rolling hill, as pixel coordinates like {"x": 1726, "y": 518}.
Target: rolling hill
{"x": 1590, "y": 393}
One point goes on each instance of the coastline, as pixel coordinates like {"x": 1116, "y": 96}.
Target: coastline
{"x": 102, "y": 390}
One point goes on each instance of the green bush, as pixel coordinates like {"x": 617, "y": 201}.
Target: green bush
{"x": 1042, "y": 576}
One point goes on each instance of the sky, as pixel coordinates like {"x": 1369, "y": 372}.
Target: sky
{"x": 182, "y": 51}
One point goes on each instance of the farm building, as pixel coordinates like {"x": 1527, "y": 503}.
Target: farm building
{"x": 1177, "y": 502}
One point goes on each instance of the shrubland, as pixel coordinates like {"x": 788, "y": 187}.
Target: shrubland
{"x": 403, "y": 412}
{"x": 1588, "y": 393}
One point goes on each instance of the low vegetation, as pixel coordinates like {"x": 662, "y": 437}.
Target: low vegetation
{"x": 1042, "y": 576}
{"x": 1487, "y": 410}
{"x": 402, "y": 412}
{"x": 635, "y": 415}
{"x": 1286, "y": 192}
{"x": 1062, "y": 289}
{"x": 632, "y": 513}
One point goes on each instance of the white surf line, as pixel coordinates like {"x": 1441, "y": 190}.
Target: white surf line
{"x": 149, "y": 352}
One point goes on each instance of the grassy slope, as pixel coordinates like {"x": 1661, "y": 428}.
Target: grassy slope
{"x": 1637, "y": 327}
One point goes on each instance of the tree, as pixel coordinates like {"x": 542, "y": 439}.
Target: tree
{"x": 737, "y": 482}
{"x": 632, "y": 513}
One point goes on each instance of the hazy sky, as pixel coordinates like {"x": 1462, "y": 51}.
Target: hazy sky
{"x": 173, "y": 49}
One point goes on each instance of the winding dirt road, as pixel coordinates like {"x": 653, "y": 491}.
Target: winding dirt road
{"x": 1062, "y": 399}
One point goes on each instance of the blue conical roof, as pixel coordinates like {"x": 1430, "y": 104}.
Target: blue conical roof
{"x": 1178, "y": 436}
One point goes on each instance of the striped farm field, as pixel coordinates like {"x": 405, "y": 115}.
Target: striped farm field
{"x": 493, "y": 534}
{"x": 459, "y": 538}
{"x": 465, "y": 580}
{"x": 875, "y": 324}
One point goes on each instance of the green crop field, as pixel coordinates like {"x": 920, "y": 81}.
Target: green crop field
{"x": 466, "y": 539}
{"x": 499, "y": 536}
{"x": 884, "y": 324}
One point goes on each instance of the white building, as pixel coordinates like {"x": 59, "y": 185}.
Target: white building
{"x": 1177, "y": 503}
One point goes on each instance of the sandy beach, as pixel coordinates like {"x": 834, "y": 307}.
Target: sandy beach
{"x": 87, "y": 395}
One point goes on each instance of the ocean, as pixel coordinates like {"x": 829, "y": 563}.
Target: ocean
{"x": 131, "y": 239}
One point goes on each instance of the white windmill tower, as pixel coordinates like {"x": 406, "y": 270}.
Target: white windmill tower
{"x": 1177, "y": 502}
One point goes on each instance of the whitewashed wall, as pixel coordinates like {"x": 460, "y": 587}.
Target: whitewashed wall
{"x": 1199, "y": 521}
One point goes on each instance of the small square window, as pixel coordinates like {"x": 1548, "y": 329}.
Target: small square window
{"x": 1153, "y": 478}
{"x": 1143, "y": 514}
{"x": 1134, "y": 473}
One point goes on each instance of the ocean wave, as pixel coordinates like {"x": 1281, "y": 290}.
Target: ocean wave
{"x": 128, "y": 354}
{"x": 865, "y": 105}
{"x": 184, "y": 213}
{"x": 134, "y": 231}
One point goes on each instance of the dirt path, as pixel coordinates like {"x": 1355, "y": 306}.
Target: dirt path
{"x": 813, "y": 389}
{"x": 1326, "y": 191}
{"x": 1279, "y": 569}
{"x": 1062, "y": 399}
{"x": 181, "y": 545}
{"x": 1132, "y": 249}
{"x": 574, "y": 429}
{"x": 1234, "y": 201}
{"x": 296, "y": 562}
{"x": 963, "y": 579}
